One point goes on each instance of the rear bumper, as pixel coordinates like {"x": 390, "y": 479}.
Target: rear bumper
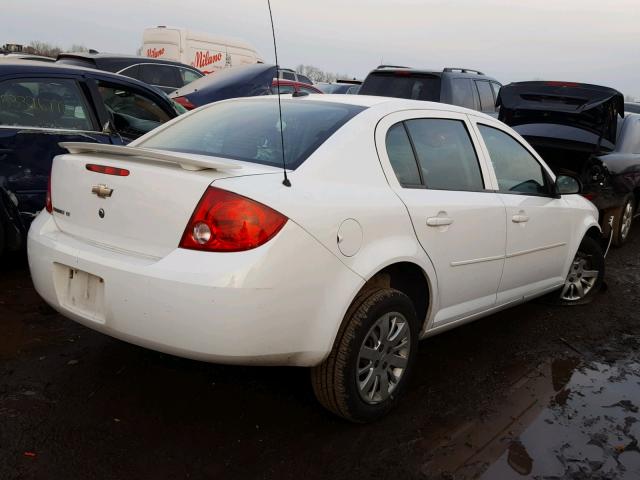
{"x": 280, "y": 304}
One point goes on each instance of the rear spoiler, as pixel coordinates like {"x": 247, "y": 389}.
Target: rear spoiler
{"x": 188, "y": 161}
{"x": 589, "y": 107}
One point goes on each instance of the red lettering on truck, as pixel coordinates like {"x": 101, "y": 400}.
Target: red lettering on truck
{"x": 155, "y": 52}
{"x": 205, "y": 58}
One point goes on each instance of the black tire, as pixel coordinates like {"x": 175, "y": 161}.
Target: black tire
{"x": 335, "y": 381}
{"x": 622, "y": 223}
{"x": 591, "y": 252}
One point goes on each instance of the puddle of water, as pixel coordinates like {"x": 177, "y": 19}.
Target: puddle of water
{"x": 560, "y": 420}
{"x": 589, "y": 430}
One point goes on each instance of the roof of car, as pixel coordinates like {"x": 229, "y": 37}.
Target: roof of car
{"x": 31, "y": 67}
{"x": 458, "y": 72}
{"x": 391, "y": 103}
{"x": 117, "y": 56}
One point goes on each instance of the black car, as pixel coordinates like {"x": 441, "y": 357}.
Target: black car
{"x": 632, "y": 107}
{"x": 245, "y": 81}
{"x": 42, "y": 104}
{"x": 456, "y": 86}
{"x": 163, "y": 74}
{"x": 582, "y": 129}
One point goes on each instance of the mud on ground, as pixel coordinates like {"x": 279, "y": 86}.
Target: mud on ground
{"x": 532, "y": 392}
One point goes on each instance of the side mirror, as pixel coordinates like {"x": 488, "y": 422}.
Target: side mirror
{"x": 568, "y": 185}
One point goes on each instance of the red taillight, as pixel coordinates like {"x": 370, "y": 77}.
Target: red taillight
{"x": 120, "y": 172}
{"x": 589, "y": 196}
{"x": 48, "y": 204}
{"x": 227, "y": 222}
{"x": 184, "y": 101}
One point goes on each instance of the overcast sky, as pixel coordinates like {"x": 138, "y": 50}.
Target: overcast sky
{"x": 579, "y": 40}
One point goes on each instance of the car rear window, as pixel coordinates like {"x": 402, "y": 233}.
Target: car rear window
{"x": 250, "y": 130}
{"x": 402, "y": 84}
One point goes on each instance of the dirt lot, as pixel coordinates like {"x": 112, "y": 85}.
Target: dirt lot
{"x": 537, "y": 391}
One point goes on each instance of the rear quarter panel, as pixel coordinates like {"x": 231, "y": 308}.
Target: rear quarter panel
{"x": 343, "y": 180}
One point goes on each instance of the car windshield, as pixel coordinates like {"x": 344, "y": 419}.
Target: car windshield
{"x": 402, "y": 84}
{"x": 250, "y": 130}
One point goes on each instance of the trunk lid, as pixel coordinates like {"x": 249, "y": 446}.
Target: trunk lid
{"x": 144, "y": 212}
{"x": 244, "y": 81}
{"x": 588, "y": 113}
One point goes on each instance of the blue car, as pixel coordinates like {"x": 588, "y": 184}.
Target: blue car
{"x": 42, "y": 104}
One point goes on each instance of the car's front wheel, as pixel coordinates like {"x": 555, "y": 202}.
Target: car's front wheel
{"x": 372, "y": 357}
{"x": 586, "y": 274}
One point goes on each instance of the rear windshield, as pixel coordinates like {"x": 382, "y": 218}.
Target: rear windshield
{"x": 402, "y": 84}
{"x": 250, "y": 130}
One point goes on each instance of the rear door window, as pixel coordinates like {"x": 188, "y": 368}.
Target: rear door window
{"x": 133, "y": 72}
{"x": 462, "y": 93}
{"x": 446, "y": 155}
{"x": 249, "y": 130}
{"x": 401, "y": 157}
{"x": 304, "y": 79}
{"x": 495, "y": 86}
{"x": 44, "y": 103}
{"x": 487, "y": 102}
{"x": 288, "y": 76}
{"x": 164, "y": 75}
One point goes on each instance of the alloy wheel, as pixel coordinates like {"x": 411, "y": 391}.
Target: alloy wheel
{"x": 383, "y": 358}
{"x": 626, "y": 221}
{"x": 580, "y": 280}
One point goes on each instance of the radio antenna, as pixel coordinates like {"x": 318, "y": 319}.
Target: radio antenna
{"x": 286, "y": 181}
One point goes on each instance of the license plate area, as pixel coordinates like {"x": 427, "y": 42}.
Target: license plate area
{"x": 80, "y": 292}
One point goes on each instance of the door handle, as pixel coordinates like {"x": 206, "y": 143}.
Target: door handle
{"x": 439, "y": 221}
{"x": 520, "y": 218}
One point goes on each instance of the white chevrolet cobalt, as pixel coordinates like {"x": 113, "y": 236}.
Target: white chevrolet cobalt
{"x": 402, "y": 219}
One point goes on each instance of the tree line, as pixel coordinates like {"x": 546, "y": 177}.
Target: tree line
{"x": 45, "y": 49}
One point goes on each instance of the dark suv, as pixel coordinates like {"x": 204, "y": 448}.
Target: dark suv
{"x": 166, "y": 75}
{"x": 457, "y": 86}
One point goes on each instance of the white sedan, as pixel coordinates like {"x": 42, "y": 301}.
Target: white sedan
{"x": 402, "y": 219}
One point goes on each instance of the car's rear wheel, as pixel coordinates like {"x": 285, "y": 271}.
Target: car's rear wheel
{"x": 623, "y": 221}
{"x": 585, "y": 276}
{"x": 372, "y": 357}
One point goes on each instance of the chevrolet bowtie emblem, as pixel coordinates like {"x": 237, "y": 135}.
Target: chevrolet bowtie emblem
{"x": 102, "y": 190}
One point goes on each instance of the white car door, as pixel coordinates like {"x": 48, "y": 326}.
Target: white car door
{"x": 539, "y": 221}
{"x": 431, "y": 162}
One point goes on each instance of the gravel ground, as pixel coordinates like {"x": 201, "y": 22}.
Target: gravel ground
{"x": 536, "y": 391}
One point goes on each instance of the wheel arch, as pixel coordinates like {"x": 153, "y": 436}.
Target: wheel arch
{"x": 411, "y": 279}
